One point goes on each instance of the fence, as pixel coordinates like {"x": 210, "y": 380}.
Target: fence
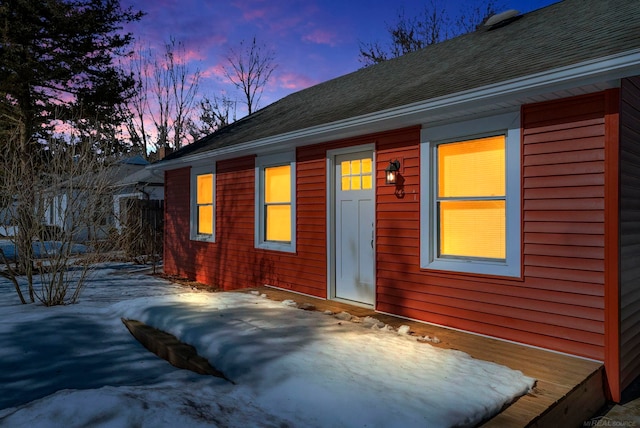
{"x": 142, "y": 223}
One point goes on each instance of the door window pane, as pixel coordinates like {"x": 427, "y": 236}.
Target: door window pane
{"x": 367, "y": 182}
{"x": 357, "y": 174}
{"x": 366, "y": 166}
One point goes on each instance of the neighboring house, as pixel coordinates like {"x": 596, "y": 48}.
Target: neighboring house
{"x": 127, "y": 179}
{"x": 7, "y": 219}
{"x": 143, "y": 184}
{"x": 516, "y": 210}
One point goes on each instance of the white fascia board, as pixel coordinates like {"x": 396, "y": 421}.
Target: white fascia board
{"x": 588, "y": 72}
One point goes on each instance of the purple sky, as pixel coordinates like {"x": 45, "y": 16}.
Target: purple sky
{"x": 314, "y": 40}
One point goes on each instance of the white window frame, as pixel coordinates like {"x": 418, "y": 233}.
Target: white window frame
{"x": 506, "y": 124}
{"x": 263, "y": 162}
{"x": 193, "y": 220}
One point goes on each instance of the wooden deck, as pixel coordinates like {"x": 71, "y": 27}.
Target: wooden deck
{"x": 568, "y": 390}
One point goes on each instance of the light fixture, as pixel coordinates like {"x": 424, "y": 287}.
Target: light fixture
{"x": 392, "y": 171}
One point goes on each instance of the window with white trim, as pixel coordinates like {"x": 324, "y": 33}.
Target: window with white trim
{"x": 470, "y": 202}
{"x": 202, "y": 223}
{"x": 275, "y": 202}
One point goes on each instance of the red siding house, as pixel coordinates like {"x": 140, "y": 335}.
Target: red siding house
{"x": 514, "y": 211}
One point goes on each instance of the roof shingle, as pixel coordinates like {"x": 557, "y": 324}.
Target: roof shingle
{"x": 563, "y": 34}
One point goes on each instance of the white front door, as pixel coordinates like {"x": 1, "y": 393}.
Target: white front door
{"x": 354, "y": 227}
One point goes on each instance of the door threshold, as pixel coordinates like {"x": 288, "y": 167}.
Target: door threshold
{"x": 354, "y": 303}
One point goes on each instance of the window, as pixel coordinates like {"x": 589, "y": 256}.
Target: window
{"x": 275, "y": 202}
{"x": 471, "y": 198}
{"x": 203, "y": 204}
{"x": 357, "y": 174}
{"x": 470, "y": 206}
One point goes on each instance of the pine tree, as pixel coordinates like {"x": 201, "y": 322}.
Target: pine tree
{"x": 57, "y": 65}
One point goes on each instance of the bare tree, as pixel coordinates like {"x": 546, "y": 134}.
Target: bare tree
{"x": 184, "y": 86}
{"x": 167, "y": 89}
{"x": 473, "y": 14}
{"x": 215, "y": 114}
{"x": 140, "y": 237}
{"x": 433, "y": 25}
{"x": 138, "y": 106}
{"x": 68, "y": 197}
{"x": 161, "y": 94}
{"x": 249, "y": 68}
{"x": 55, "y": 56}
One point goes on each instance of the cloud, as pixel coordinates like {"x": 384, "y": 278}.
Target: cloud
{"x": 295, "y": 81}
{"x": 321, "y": 37}
{"x": 253, "y": 10}
{"x": 196, "y": 23}
{"x": 254, "y": 14}
{"x": 280, "y": 18}
{"x": 188, "y": 55}
{"x": 215, "y": 71}
{"x": 284, "y": 24}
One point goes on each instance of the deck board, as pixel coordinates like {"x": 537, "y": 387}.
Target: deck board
{"x": 561, "y": 380}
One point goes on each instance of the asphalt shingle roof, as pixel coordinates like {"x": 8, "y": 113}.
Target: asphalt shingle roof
{"x": 563, "y": 34}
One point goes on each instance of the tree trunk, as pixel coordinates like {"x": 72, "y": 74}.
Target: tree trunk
{"x": 26, "y": 202}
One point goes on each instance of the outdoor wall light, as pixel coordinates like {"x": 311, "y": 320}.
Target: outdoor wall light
{"x": 392, "y": 171}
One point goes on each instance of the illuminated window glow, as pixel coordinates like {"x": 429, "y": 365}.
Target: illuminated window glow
{"x": 277, "y": 203}
{"x": 471, "y": 198}
{"x": 472, "y": 168}
{"x": 357, "y": 174}
{"x": 204, "y": 203}
{"x": 202, "y": 212}
{"x": 473, "y": 229}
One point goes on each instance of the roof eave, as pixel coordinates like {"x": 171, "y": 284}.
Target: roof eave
{"x": 605, "y": 69}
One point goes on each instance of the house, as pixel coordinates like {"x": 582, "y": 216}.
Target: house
{"x": 89, "y": 206}
{"x": 143, "y": 184}
{"x": 516, "y": 205}
{"x": 7, "y": 218}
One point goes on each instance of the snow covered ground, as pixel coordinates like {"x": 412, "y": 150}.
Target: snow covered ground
{"x": 78, "y": 366}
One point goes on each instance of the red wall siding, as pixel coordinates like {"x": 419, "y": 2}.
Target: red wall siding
{"x": 228, "y": 262}
{"x": 177, "y": 246}
{"x": 232, "y": 261}
{"x": 564, "y": 214}
{"x": 559, "y": 301}
{"x": 309, "y": 272}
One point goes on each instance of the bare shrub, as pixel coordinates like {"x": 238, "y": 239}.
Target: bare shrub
{"x": 62, "y": 218}
{"x": 141, "y": 234}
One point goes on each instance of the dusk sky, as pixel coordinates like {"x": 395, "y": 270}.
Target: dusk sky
{"x": 313, "y": 40}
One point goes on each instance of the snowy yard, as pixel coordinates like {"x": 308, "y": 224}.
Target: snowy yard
{"x": 78, "y": 366}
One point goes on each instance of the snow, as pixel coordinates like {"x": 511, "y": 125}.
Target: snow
{"x": 77, "y": 365}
